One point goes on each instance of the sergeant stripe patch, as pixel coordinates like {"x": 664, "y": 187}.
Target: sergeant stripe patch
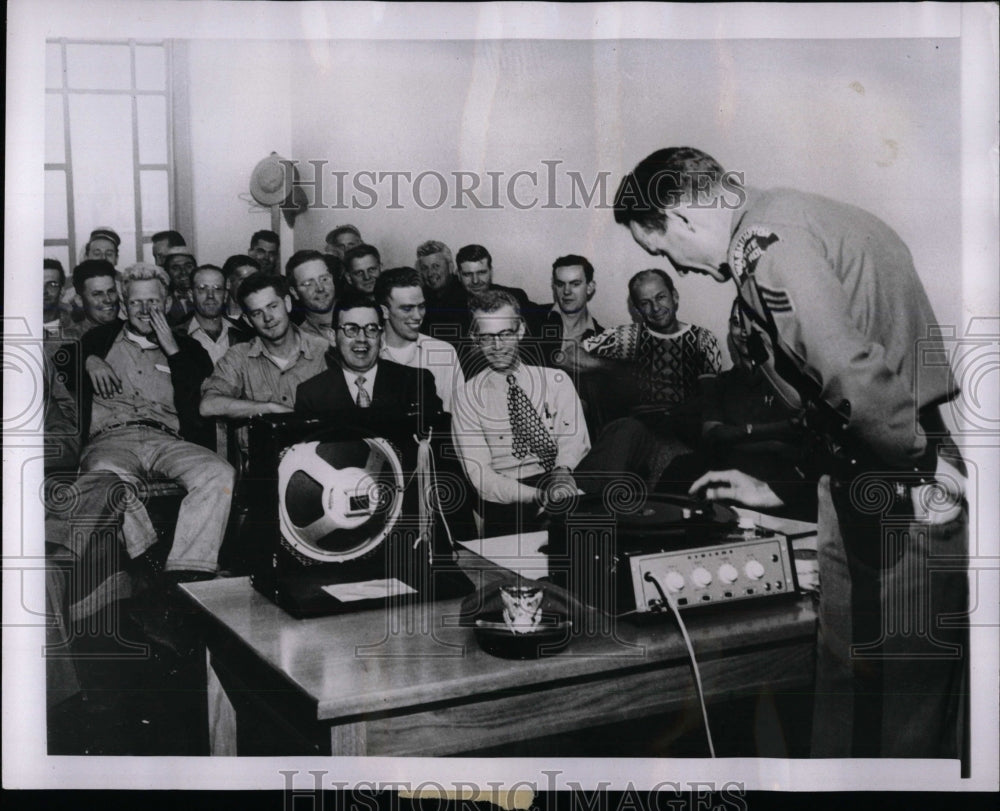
{"x": 777, "y": 301}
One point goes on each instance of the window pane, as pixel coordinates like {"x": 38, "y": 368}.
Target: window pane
{"x": 55, "y": 136}
{"x": 99, "y": 67}
{"x": 152, "y": 128}
{"x": 56, "y": 224}
{"x": 103, "y": 185}
{"x": 61, "y": 252}
{"x": 150, "y": 67}
{"x": 155, "y": 202}
{"x": 53, "y": 65}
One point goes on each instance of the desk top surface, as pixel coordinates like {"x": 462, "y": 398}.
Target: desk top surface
{"x": 381, "y": 660}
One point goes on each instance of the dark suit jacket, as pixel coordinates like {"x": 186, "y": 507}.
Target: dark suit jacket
{"x": 399, "y": 390}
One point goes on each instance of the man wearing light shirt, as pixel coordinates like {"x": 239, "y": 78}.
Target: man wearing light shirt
{"x": 207, "y": 324}
{"x": 401, "y": 299}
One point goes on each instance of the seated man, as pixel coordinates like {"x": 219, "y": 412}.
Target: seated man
{"x": 443, "y": 292}
{"x": 401, "y": 299}
{"x": 207, "y": 325}
{"x": 262, "y": 376}
{"x": 265, "y": 247}
{"x": 668, "y": 356}
{"x": 362, "y": 265}
{"x": 139, "y": 408}
{"x": 519, "y": 429}
{"x": 236, "y": 268}
{"x": 95, "y": 283}
{"x": 314, "y": 290}
{"x": 180, "y": 264}
{"x": 355, "y": 376}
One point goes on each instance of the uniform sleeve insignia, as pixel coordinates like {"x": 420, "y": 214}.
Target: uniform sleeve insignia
{"x": 747, "y": 248}
{"x": 777, "y": 301}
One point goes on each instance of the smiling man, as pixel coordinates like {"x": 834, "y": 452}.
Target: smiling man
{"x": 265, "y": 247}
{"x": 840, "y": 324}
{"x": 180, "y": 264}
{"x": 401, "y": 300}
{"x": 356, "y": 378}
{"x": 567, "y": 321}
{"x": 313, "y": 287}
{"x": 362, "y": 264}
{"x": 444, "y": 294}
{"x": 95, "y": 283}
{"x": 208, "y": 325}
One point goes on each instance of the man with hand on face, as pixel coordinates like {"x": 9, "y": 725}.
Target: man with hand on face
{"x": 313, "y": 287}
{"x": 401, "y": 300}
{"x": 362, "y": 265}
{"x": 208, "y": 326}
{"x": 261, "y": 376}
{"x": 264, "y": 247}
{"x": 356, "y": 378}
{"x": 140, "y": 411}
{"x": 445, "y": 297}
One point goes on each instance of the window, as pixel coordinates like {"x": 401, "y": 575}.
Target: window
{"x": 108, "y": 150}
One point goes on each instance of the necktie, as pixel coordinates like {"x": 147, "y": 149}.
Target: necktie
{"x": 528, "y": 429}
{"x": 363, "y": 400}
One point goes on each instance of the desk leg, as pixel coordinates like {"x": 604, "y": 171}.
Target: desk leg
{"x": 349, "y": 739}
{"x": 221, "y": 715}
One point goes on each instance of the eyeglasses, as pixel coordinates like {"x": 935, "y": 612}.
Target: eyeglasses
{"x": 354, "y": 330}
{"x": 52, "y": 285}
{"x": 486, "y": 339}
{"x": 319, "y": 281}
{"x": 204, "y": 289}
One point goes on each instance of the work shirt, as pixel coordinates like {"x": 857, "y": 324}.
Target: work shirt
{"x": 147, "y": 390}
{"x": 438, "y": 357}
{"x": 482, "y": 431}
{"x": 328, "y": 334}
{"x": 217, "y": 347}
{"x": 247, "y": 372}
{"x": 849, "y": 309}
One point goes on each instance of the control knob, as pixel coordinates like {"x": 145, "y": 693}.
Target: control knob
{"x": 728, "y": 573}
{"x": 674, "y": 581}
{"x": 754, "y": 569}
{"x": 701, "y": 577}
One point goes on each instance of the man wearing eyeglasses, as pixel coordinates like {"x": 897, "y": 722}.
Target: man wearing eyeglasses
{"x": 314, "y": 290}
{"x": 356, "y": 378}
{"x": 207, "y": 325}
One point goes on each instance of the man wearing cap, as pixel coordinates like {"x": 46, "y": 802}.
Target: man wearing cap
{"x": 265, "y": 247}
{"x": 139, "y": 410}
{"x": 103, "y": 244}
{"x": 180, "y": 264}
{"x": 208, "y": 325}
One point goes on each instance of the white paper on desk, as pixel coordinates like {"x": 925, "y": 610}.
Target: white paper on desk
{"x": 368, "y": 590}
{"x": 520, "y": 553}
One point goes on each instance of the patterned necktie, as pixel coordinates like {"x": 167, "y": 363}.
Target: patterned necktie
{"x": 363, "y": 400}
{"x": 529, "y": 431}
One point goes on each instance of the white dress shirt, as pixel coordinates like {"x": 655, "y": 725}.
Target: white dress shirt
{"x": 484, "y": 438}
{"x": 437, "y": 357}
{"x": 352, "y": 382}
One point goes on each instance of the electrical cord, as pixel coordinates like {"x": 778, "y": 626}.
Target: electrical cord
{"x": 669, "y": 601}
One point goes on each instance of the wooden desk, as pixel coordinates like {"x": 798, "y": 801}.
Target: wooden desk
{"x": 414, "y": 682}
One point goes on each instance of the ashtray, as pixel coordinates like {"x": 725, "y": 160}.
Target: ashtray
{"x": 549, "y": 636}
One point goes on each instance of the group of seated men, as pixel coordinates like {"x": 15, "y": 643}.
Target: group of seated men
{"x": 165, "y": 349}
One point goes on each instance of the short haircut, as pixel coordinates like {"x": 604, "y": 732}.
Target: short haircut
{"x": 334, "y": 265}
{"x": 343, "y": 229}
{"x": 642, "y": 275}
{"x": 55, "y": 264}
{"x": 474, "y": 253}
{"x": 433, "y": 246}
{"x": 145, "y": 272}
{"x": 571, "y": 259}
{"x": 256, "y": 282}
{"x": 662, "y": 180}
{"x": 194, "y": 272}
{"x": 359, "y": 251}
{"x": 491, "y": 301}
{"x": 352, "y": 300}
{"x": 173, "y": 238}
{"x": 237, "y": 261}
{"x": 300, "y": 258}
{"x": 91, "y": 269}
{"x": 264, "y": 236}
{"x": 389, "y": 280}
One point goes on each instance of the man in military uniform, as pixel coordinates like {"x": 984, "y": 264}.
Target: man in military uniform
{"x": 839, "y": 321}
